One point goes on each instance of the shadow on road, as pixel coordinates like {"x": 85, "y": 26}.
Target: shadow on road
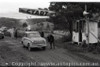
{"x": 34, "y": 49}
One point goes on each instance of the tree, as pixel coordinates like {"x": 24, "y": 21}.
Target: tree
{"x": 25, "y": 24}
{"x": 67, "y": 13}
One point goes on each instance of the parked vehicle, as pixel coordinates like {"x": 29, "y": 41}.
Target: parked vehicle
{"x": 1, "y": 35}
{"x": 33, "y": 39}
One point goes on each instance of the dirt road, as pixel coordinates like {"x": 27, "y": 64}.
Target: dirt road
{"x": 12, "y": 53}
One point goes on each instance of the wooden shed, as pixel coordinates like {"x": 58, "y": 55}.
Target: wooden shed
{"x": 85, "y": 31}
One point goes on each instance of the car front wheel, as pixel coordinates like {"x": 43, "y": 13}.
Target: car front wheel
{"x": 29, "y": 48}
{"x": 23, "y": 44}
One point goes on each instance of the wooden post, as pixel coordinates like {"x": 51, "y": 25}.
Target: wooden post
{"x": 87, "y": 24}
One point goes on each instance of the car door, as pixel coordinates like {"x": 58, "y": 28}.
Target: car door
{"x": 25, "y": 40}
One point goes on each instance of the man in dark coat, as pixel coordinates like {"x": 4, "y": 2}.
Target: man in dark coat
{"x": 50, "y": 39}
{"x": 42, "y": 34}
{"x": 16, "y": 35}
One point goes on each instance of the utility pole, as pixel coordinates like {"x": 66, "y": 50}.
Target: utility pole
{"x": 87, "y": 24}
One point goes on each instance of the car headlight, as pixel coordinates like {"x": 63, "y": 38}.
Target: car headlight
{"x": 34, "y": 41}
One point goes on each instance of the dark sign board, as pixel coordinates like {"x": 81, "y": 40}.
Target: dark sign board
{"x": 36, "y": 12}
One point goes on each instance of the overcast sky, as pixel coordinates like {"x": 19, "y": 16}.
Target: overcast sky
{"x": 9, "y": 7}
{"x": 14, "y": 5}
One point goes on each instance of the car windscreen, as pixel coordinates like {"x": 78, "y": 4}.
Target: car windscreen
{"x": 33, "y": 35}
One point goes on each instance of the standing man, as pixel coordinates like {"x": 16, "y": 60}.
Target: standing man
{"x": 50, "y": 39}
{"x": 12, "y": 32}
{"x": 42, "y": 34}
{"x": 16, "y": 33}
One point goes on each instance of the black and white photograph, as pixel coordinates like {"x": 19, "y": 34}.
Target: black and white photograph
{"x": 45, "y": 33}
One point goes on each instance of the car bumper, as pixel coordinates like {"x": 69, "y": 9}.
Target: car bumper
{"x": 38, "y": 45}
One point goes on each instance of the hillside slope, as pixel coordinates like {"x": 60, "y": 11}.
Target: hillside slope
{"x": 10, "y": 22}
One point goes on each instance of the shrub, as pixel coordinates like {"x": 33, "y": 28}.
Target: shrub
{"x": 64, "y": 39}
{"x": 7, "y": 33}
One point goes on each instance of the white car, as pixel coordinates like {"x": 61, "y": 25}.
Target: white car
{"x": 33, "y": 39}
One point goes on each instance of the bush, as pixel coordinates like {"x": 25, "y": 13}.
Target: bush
{"x": 20, "y": 33}
{"x": 7, "y": 33}
{"x": 64, "y": 39}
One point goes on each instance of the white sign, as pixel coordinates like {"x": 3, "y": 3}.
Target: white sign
{"x": 36, "y": 12}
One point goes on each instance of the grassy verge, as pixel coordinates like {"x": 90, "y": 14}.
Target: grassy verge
{"x": 65, "y": 43}
{"x": 69, "y": 46}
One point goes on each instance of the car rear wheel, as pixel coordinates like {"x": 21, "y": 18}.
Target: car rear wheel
{"x": 2, "y": 37}
{"x": 44, "y": 48}
{"x": 29, "y": 48}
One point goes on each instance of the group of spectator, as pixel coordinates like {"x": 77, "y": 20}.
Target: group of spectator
{"x": 14, "y": 32}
